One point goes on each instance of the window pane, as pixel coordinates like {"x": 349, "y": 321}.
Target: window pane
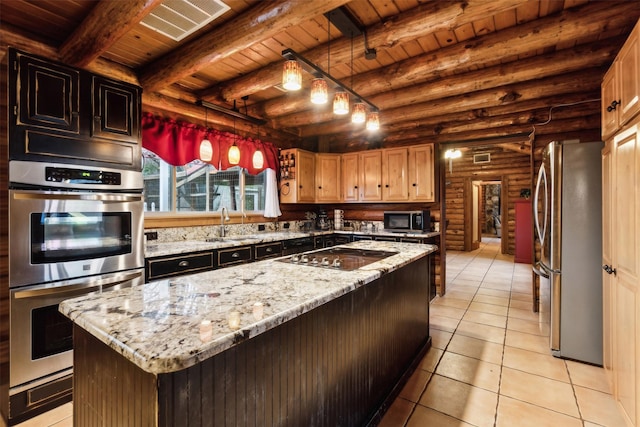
{"x": 254, "y": 191}
{"x": 225, "y": 189}
{"x": 193, "y": 187}
{"x": 158, "y": 184}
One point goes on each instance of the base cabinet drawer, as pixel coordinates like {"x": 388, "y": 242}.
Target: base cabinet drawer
{"x": 227, "y": 257}
{"x": 267, "y": 250}
{"x": 170, "y": 266}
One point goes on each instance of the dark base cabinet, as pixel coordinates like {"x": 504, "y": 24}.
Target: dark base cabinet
{"x": 340, "y": 364}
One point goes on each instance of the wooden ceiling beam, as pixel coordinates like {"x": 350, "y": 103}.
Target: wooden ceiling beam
{"x": 422, "y": 20}
{"x": 263, "y": 21}
{"x": 107, "y": 22}
{"x": 566, "y": 83}
{"x": 10, "y": 37}
{"x": 188, "y": 111}
{"x": 537, "y": 67}
{"x": 570, "y": 25}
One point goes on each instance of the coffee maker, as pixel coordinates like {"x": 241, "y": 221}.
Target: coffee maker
{"x": 322, "y": 220}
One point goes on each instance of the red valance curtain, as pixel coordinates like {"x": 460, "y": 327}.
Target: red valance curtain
{"x": 178, "y": 143}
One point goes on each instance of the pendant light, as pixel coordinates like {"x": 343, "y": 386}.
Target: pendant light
{"x": 233, "y": 155}
{"x": 373, "y": 121}
{"x": 341, "y": 102}
{"x": 359, "y": 113}
{"x": 319, "y": 91}
{"x": 292, "y": 75}
{"x": 206, "y": 149}
{"x": 258, "y": 159}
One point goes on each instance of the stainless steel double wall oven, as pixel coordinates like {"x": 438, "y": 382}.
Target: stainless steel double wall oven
{"x": 75, "y": 216}
{"x": 73, "y": 230}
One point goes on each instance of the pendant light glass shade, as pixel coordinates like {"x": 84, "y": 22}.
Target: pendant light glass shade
{"x": 206, "y": 150}
{"x": 234, "y": 154}
{"x": 341, "y": 103}
{"x": 258, "y": 160}
{"x": 373, "y": 121}
{"x": 319, "y": 91}
{"x": 292, "y": 75}
{"x": 359, "y": 114}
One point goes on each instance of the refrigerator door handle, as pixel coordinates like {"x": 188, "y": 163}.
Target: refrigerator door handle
{"x": 540, "y": 271}
{"x": 542, "y": 181}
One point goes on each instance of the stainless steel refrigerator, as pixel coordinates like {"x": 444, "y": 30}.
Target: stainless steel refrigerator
{"x": 568, "y": 223}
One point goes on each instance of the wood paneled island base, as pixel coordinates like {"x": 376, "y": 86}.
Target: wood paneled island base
{"x": 340, "y": 364}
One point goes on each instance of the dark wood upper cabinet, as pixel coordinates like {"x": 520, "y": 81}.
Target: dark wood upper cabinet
{"x": 60, "y": 114}
{"x": 49, "y": 95}
{"x": 115, "y": 110}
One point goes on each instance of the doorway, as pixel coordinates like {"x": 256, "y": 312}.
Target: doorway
{"x": 486, "y": 204}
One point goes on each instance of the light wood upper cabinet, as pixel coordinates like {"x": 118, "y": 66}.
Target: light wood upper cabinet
{"x": 389, "y": 175}
{"x": 350, "y": 177}
{"x": 395, "y": 171}
{"x": 421, "y": 173}
{"x": 327, "y": 179}
{"x": 299, "y": 186}
{"x": 370, "y": 175}
{"x": 621, "y": 87}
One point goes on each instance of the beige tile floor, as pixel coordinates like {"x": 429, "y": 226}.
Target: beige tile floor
{"x": 490, "y": 363}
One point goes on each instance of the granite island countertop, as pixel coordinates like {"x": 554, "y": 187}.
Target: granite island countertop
{"x": 168, "y": 325}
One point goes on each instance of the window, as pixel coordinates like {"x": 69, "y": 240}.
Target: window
{"x": 199, "y": 187}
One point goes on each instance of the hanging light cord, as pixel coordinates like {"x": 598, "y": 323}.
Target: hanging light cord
{"x": 571, "y": 104}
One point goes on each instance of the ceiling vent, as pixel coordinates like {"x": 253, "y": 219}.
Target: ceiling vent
{"x": 482, "y": 158}
{"x": 177, "y": 19}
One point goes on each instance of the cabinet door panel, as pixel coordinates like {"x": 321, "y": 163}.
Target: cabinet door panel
{"x": 626, "y": 261}
{"x": 395, "y": 175}
{"x": 350, "y": 177}
{"x": 328, "y": 178}
{"x": 628, "y": 72}
{"x": 371, "y": 176}
{"x": 48, "y": 95}
{"x": 115, "y": 110}
{"x": 609, "y": 95}
{"x": 421, "y": 173}
{"x": 306, "y": 177}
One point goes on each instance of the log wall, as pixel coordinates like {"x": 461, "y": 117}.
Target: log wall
{"x": 511, "y": 167}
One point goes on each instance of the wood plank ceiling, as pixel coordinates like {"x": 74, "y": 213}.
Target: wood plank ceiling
{"x": 445, "y": 71}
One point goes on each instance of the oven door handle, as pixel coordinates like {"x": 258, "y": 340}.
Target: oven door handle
{"x": 85, "y": 287}
{"x": 103, "y": 197}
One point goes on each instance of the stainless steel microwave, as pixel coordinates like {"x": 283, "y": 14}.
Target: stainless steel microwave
{"x": 404, "y": 221}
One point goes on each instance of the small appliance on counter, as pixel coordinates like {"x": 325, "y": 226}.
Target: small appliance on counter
{"x": 338, "y": 219}
{"x": 322, "y": 220}
{"x": 403, "y": 221}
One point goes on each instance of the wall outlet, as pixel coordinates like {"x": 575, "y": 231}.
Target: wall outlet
{"x": 151, "y": 235}
{"x": 260, "y": 227}
{"x": 286, "y": 225}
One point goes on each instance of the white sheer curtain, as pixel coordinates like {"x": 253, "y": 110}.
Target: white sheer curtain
{"x": 271, "y": 204}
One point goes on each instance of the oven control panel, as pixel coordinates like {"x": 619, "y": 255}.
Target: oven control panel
{"x": 82, "y": 176}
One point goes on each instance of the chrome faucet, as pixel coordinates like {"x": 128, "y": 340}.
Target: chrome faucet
{"x": 224, "y": 215}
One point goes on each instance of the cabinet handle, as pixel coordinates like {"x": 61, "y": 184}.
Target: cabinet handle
{"x": 609, "y": 269}
{"x": 235, "y": 255}
{"x": 319, "y": 188}
{"x": 269, "y": 250}
{"x": 613, "y": 106}
{"x": 300, "y": 186}
{"x": 379, "y": 185}
{"x": 356, "y": 187}
{"x": 386, "y": 186}
{"x": 183, "y": 264}
{"x": 414, "y": 184}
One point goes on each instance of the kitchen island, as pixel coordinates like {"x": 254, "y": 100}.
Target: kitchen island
{"x": 268, "y": 343}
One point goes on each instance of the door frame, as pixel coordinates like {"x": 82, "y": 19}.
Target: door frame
{"x": 468, "y": 210}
